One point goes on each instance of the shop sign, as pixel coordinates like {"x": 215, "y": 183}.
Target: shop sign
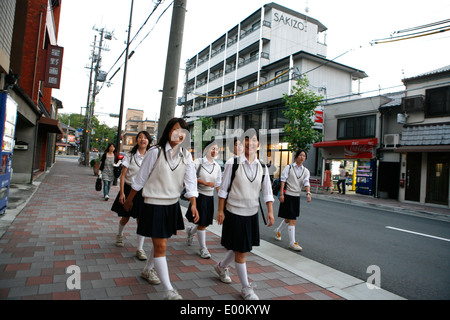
{"x": 358, "y": 152}
{"x": 54, "y": 66}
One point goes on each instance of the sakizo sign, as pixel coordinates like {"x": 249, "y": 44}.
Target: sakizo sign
{"x": 288, "y": 21}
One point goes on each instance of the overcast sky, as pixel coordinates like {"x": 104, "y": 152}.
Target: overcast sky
{"x": 351, "y": 24}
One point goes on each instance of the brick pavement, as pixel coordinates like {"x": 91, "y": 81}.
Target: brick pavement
{"x": 67, "y": 222}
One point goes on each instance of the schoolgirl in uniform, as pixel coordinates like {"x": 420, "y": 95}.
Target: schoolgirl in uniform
{"x": 131, "y": 163}
{"x": 209, "y": 176}
{"x": 164, "y": 170}
{"x": 240, "y": 231}
{"x": 294, "y": 177}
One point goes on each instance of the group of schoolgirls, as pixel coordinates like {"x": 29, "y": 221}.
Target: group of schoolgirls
{"x": 150, "y": 191}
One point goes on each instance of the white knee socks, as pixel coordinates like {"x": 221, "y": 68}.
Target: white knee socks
{"x": 121, "y": 227}
{"x": 202, "y": 238}
{"x": 163, "y": 272}
{"x": 291, "y": 231}
{"x": 241, "y": 269}
{"x": 229, "y": 258}
{"x": 140, "y": 241}
{"x": 282, "y": 226}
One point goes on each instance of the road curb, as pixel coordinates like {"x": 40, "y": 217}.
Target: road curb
{"x": 337, "y": 282}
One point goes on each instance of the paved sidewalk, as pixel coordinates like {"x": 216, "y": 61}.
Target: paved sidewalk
{"x": 66, "y": 223}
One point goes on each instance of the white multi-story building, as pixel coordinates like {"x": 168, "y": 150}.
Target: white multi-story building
{"x": 239, "y": 80}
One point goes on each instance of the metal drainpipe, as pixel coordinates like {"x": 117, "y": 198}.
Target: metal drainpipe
{"x": 36, "y": 58}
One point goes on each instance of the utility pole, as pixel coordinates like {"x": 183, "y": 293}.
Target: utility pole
{"x": 86, "y": 123}
{"x": 94, "y": 94}
{"x": 122, "y": 99}
{"x": 169, "y": 97}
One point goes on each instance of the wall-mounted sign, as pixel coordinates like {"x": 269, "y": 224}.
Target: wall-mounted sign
{"x": 54, "y": 66}
{"x": 358, "y": 152}
{"x": 289, "y": 21}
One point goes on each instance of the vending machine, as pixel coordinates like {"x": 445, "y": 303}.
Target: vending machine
{"x": 364, "y": 177}
{"x": 8, "y": 115}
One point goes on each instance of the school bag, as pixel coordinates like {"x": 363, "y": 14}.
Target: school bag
{"x": 276, "y": 185}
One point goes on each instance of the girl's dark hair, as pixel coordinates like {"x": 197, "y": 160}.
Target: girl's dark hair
{"x": 165, "y": 135}
{"x": 136, "y": 146}
{"x": 115, "y": 148}
{"x": 250, "y": 133}
{"x": 209, "y": 144}
{"x": 300, "y": 151}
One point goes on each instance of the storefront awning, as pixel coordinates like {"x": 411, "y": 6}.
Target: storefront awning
{"x": 346, "y": 143}
{"x": 50, "y": 125}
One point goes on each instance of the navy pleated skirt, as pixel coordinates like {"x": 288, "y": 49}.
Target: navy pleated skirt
{"x": 205, "y": 208}
{"x": 160, "y": 221}
{"x": 290, "y": 208}
{"x": 138, "y": 203}
{"x": 240, "y": 233}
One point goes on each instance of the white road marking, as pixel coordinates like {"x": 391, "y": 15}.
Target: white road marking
{"x": 417, "y": 233}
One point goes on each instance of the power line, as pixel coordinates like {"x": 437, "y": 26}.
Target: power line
{"x": 444, "y": 27}
{"x": 134, "y": 37}
{"x": 133, "y": 51}
{"x": 424, "y": 26}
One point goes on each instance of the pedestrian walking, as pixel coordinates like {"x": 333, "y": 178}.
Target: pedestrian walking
{"x": 294, "y": 177}
{"x": 327, "y": 182}
{"x": 342, "y": 179}
{"x": 163, "y": 171}
{"x": 110, "y": 158}
{"x": 240, "y": 231}
{"x": 209, "y": 177}
{"x": 131, "y": 164}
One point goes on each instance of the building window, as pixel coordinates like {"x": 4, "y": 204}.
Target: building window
{"x": 252, "y": 120}
{"x": 437, "y": 102}
{"x": 356, "y": 127}
{"x": 277, "y": 120}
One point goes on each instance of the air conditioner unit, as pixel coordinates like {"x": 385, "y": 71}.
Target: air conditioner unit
{"x": 391, "y": 140}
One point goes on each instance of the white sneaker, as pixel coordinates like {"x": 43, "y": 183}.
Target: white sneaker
{"x": 119, "y": 241}
{"x": 277, "y": 235}
{"x": 151, "y": 276}
{"x": 294, "y": 246}
{"x": 106, "y": 198}
{"x": 173, "y": 295}
{"x": 190, "y": 236}
{"x": 223, "y": 273}
{"x": 140, "y": 254}
{"x": 204, "y": 253}
{"x": 248, "y": 293}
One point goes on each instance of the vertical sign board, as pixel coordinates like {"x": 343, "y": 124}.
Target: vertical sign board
{"x": 54, "y": 67}
{"x": 8, "y": 115}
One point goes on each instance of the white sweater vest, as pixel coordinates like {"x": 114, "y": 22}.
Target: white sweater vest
{"x": 165, "y": 184}
{"x": 295, "y": 183}
{"x": 243, "y": 198}
{"x": 207, "y": 176}
{"x": 132, "y": 169}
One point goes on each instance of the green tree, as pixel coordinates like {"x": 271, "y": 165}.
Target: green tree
{"x": 205, "y": 124}
{"x": 100, "y": 134}
{"x": 300, "y": 111}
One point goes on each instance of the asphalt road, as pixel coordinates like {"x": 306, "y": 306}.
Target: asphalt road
{"x": 352, "y": 238}
{"x": 411, "y": 252}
